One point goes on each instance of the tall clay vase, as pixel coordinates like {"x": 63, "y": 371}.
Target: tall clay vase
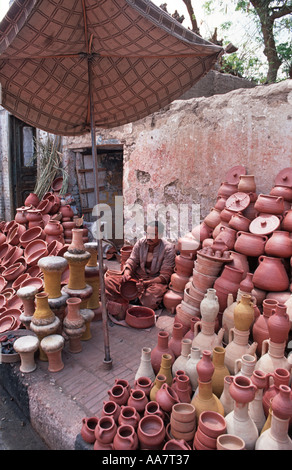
{"x": 181, "y": 360}
{"x": 244, "y": 313}
{"x": 161, "y": 347}
{"x": 227, "y": 283}
{"x": 205, "y": 400}
{"x": 238, "y": 421}
{"x": 260, "y": 330}
{"x": 205, "y": 367}
{"x": 158, "y": 382}
{"x": 191, "y": 367}
{"x": 279, "y": 324}
{"x": 273, "y": 357}
{"x": 175, "y": 340}
{"x": 44, "y": 322}
{"x": 183, "y": 388}
{"x": 256, "y": 409}
{"x": 220, "y": 370}
{"x": 225, "y": 398}
{"x": 145, "y": 368}
{"x": 209, "y": 306}
{"x": 165, "y": 367}
{"x": 74, "y": 324}
{"x": 279, "y": 377}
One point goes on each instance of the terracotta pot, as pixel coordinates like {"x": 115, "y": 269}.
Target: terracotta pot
{"x": 161, "y": 348}
{"x": 105, "y": 430}
{"x": 171, "y": 299}
{"x": 151, "y": 433}
{"x": 282, "y": 403}
{"x": 138, "y": 400}
{"x": 212, "y": 423}
{"x": 88, "y": 429}
{"x": 34, "y": 218}
{"x": 228, "y": 236}
{"x": 270, "y": 275}
{"x": 260, "y": 330}
{"x": 213, "y": 218}
{"x": 287, "y": 221}
{"x": 153, "y": 408}
{"x": 227, "y": 189}
{"x": 202, "y": 231}
{"x": 226, "y": 215}
{"x": 45, "y": 206}
{"x": 227, "y": 283}
{"x": 178, "y": 282}
{"x": 247, "y": 184}
{"x": 250, "y": 244}
{"x": 125, "y": 438}
{"x": 283, "y": 191}
{"x": 77, "y": 244}
{"x": 66, "y": 211}
{"x": 242, "y": 390}
{"x": 239, "y": 222}
{"x": 279, "y": 324}
{"x": 202, "y": 281}
{"x": 268, "y": 204}
{"x": 14, "y": 271}
{"x": 118, "y": 394}
{"x": 244, "y": 313}
{"x": 111, "y": 408}
{"x": 14, "y": 234}
{"x": 12, "y": 255}
{"x": 184, "y": 265}
{"x": 166, "y": 397}
{"x": 32, "y": 199}
{"x": 205, "y": 367}
{"x": 230, "y": 442}
{"x": 279, "y": 244}
{"x": 220, "y": 203}
{"x": 129, "y": 415}
{"x": 246, "y": 284}
{"x": 176, "y": 444}
{"x": 20, "y": 216}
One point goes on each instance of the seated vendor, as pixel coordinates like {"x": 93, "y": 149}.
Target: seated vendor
{"x": 151, "y": 263}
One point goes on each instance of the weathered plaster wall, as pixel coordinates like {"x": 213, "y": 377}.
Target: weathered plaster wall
{"x": 181, "y": 154}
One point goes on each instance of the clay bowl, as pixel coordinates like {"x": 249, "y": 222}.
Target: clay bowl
{"x": 33, "y": 281}
{"x": 183, "y": 412}
{"x": 14, "y": 302}
{"x": 31, "y": 234}
{"x": 128, "y": 290}
{"x": 7, "y": 323}
{"x": 3, "y": 301}
{"x": 174, "y": 444}
{"x": 16, "y": 284}
{"x": 13, "y": 312}
{"x": 9, "y": 292}
{"x": 205, "y": 439}
{"x": 140, "y": 317}
{"x": 57, "y": 184}
{"x": 212, "y": 423}
{"x": 15, "y": 233}
{"x": 4, "y": 249}
{"x": 12, "y": 256}
{"x": 230, "y": 442}
{"x": 14, "y": 271}
{"x": 198, "y": 445}
{"x": 54, "y": 247}
{"x": 3, "y": 283}
{"x": 33, "y": 258}
{"x": 34, "y": 271}
{"x": 34, "y": 246}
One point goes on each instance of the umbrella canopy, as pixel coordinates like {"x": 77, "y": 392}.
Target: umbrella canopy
{"x": 141, "y": 60}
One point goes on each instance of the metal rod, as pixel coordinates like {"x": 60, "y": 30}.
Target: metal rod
{"x": 107, "y": 359}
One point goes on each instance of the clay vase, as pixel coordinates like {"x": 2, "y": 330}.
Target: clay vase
{"x": 244, "y": 313}
{"x": 138, "y": 400}
{"x": 276, "y": 436}
{"x": 279, "y": 245}
{"x": 279, "y": 377}
{"x": 175, "y": 340}
{"x": 191, "y": 367}
{"x": 181, "y": 360}
{"x": 260, "y": 330}
{"x": 125, "y": 438}
{"x": 158, "y": 382}
{"x": 74, "y": 324}
{"x": 161, "y": 347}
{"x": 220, "y": 370}
{"x": 183, "y": 388}
{"x": 77, "y": 244}
{"x": 184, "y": 265}
{"x": 270, "y": 275}
{"x": 105, "y": 430}
{"x": 205, "y": 400}
{"x": 143, "y": 383}
{"x": 205, "y": 367}
{"x": 166, "y": 397}
{"x": 171, "y": 299}
{"x": 111, "y": 408}
{"x": 227, "y": 283}
{"x": 238, "y": 421}
{"x": 209, "y": 306}
{"x": 88, "y": 429}
{"x": 250, "y": 244}
{"x": 145, "y": 368}
{"x": 268, "y": 204}
{"x": 279, "y": 324}
{"x": 151, "y": 433}
{"x": 165, "y": 368}
{"x": 246, "y": 284}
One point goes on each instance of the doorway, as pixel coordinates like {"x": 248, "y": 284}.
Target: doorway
{"x": 23, "y": 163}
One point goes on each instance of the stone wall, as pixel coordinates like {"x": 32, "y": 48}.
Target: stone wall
{"x": 180, "y": 155}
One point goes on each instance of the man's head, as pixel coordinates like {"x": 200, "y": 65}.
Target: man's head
{"x": 154, "y": 232}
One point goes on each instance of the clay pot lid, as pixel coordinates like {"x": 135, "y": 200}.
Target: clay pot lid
{"x": 7, "y": 323}
{"x": 237, "y": 202}
{"x": 140, "y": 317}
{"x": 264, "y": 224}
{"x": 128, "y": 290}
{"x": 233, "y": 175}
{"x": 284, "y": 177}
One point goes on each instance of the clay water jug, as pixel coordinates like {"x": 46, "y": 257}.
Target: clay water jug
{"x": 220, "y": 370}
{"x": 145, "y": 368}
{"x": 88, "y": 428}
{"x": 205, "y": 367}
{"x": 165, "y": 369}
{"x": 246, "y": 284}
{"x": 191, "y": 367}
{"x": 205, "y": 400}
{"x": 225, "y": 397}
{"x": 111, "y": 408}
{"x": 166, "y": 397}
{"x": 138, "y": 400}
{"x": 125, "y": 438}
{"x": 181, "y": 360}
{"x": 205, "y": 336}
{"x": 244, "y": 313}
{"x": 238, "y": 345}
{"x": 279, "y": 324}
{"x": 176, "y": 337}
{"x": 105, "y": 430}
{"x": 227, "y": 283}
{"x": 209, "y": 306}
{"x": 273, "y": 356}
{"x": 279, "y": 244}
{"x": 276, "y": 437}
{"x": 256, "y": 409}
{"x": 143, "y": 383}
{"x": 250, "y": 244}
{"x": 118, "y": 394}
{"x": 279, "y": 376}
{"x": 238, "y": 421}
{"x": 270, "y": 275}
{"x": 158, "y": 382}
{"x": 260, "y": 330}
{"x": 245, "y": 365}
{"x": 161, "y": 347}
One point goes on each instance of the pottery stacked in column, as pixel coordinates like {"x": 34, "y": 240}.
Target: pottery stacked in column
{"x": 92, "y": 278}
{"x": 77, "y": 258}
{"x": 126, "y": 251}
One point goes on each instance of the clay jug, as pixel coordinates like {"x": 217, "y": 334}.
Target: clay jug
{"x": 245, "y": 365}
{"x": 143, "y": 383}
{"x": 158, "y": 382}
{"x": 276, "y": 378}
{"x": 151, "y": 432}
{"x": 77, "y": 244}
{"x": 205, "y": 400}
{"x": 250, "y": 244}
{"x": 129, "y": 415}
{"x": 181, "y": 360}
{"x": 269, "y": 204}
{"x": 227, "y": 283}
{"x": 175, "y": 340}
{"x": 279, "y": 245}
{"x": 205, "y": 367}
{"x": 247, "y": 184}
{"x": 165, "y": 367}
{"x": 153, "y": 408}
{"x": 225, "y": 397}
{"x": 171, "y": 299}
{"x": 246, "y": 284}
{"x": 260, "y": 330}
{"x": 20, "y": 216}
{"x": 205, "y": 336}
{"x": 273, "y": 356}
{"x": 111, "y": 408}
{"x": 88, "y": 429}
{"x": 244, "y": 313}
{"x": 228, "y": 236}
{"x": 220, "y": 370}
{"x": 138, "y": 400}
{"x": 105, "y": 430}
{"x": 191, "y": 367}
{"x": 160, "y": 348}
{"x": 145, "y": 368}
{"x": 238, "y": 345}
{"x": 270, "y": 275}
{"x": 209, "y": 306}
{"x": 279, "y": 324}
{"x": 166, "y": 397}
{"x": 118, "y": 394}
{"x": 125, "y": 438}
{"x": 276, "y": 436}
{"x": 256, "y": 409}
{"x": 238, "y": 421}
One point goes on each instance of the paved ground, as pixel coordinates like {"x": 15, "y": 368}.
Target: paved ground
{"x": 55, "y": 403}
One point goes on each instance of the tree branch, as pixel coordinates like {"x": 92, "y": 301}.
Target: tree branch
{"x": 195, "y": 27}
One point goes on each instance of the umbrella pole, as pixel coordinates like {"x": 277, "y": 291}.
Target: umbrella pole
{"x": 107, "y": 359}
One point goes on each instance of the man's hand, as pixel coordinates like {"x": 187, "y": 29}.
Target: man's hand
{"x": 126, "y": 275}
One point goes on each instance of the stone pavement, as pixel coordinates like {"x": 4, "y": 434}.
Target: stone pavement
{"x": 55, "y": 403}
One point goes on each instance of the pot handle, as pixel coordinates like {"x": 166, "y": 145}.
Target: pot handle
{"x": 236, "y": 366}
{"x": 238, "y": 234}
{"x": 261, "y": 258}
{"x": 265, "y": 345}
{"x": 231, "y": 335}
{"x": 197, "y": 324}
{"x": 265, "y": 238}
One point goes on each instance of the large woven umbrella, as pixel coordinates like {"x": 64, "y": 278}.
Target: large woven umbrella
{"x": 69, "y": 66}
